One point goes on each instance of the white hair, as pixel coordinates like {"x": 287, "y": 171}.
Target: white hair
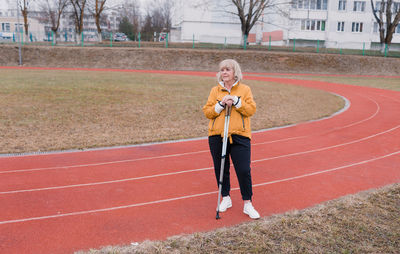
{"x": 237, "y": 72}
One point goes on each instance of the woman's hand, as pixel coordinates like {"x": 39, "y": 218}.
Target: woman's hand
{"x": 228, "y": 100}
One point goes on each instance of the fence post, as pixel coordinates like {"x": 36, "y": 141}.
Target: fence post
{"x": 82, "y": 39}
{"x": 363, "y": 49}
{"x": 111, "y": 38}
{"x": 225, "y": 42}
{"x": 294, "y": 45}
{"x": 269, "y": 46}
{"x": 166, "y": 41}
{"x": 317, "y": 46}
{"x": 193, "y": 41}
{"x": 245, "y": 42}
{"x": 22, "y": 37}
{"x": 386, "y": 49}
{"x": 139, "y": 37}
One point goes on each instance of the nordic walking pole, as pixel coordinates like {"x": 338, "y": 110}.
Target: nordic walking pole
{"x": 224, "y": 145}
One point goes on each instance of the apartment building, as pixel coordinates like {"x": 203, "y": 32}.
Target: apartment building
{"x": 204, "y": 21}
{"x": 39, "y": 30}
{"x": 336, "y": 24}
{"x": 327, "y": 23}
{"x": 9, "y": 27}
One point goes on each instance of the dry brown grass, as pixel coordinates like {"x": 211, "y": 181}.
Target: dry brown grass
{"x": 58, "y": 110}
{"x": 368, "y": 222}
{"x": 383, "y": 83}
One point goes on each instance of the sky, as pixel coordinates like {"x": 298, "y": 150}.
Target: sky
{"x": 143, "y": 3}
{"x": 3, "y": 4}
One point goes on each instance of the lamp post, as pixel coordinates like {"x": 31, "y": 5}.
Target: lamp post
{"x": 19, "y": 36}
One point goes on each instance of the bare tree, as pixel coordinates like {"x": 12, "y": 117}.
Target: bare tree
{"x": 99, "y": 6}
{"x": 387, "y": 15}
{"x": 78, "y": 8}
{"x": 249, "y": 12}
{"x": 24, "y": 7}
{"x": 131, "y": 10}
{"x": 158, "y": 18}
{"x": 166, "y": 11}
{"x": 53, "y": 10}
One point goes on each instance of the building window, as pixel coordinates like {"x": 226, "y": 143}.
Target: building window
{"x": 310, "y": 4}
{"x": 398, "y": 29}
{"x": 395, "y": 7}
{"x": 376, "y": 27}
{"x": 357, "y": 27}
{"x": 340, "y": 26}
{"x": 359, "y": 6}
{"x": 312, "y": 25}
{"x": 342, "y": 5}
{"x": 21, "y": 28}
{"x": 378, "y": 6}
{"x": 5, "y": 27}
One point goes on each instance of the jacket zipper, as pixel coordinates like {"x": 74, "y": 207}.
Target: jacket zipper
{"x": 244, "y": 128}
{"x": 212, "y": 127}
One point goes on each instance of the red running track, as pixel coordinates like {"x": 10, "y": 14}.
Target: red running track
{"x": 64, "y": 202}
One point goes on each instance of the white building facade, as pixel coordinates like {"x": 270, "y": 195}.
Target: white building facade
{"x": 12, "y": 28}
{"x": 204, "y": 21}
{"x": 326, "y": 23}
{"x": 41, "y": 31}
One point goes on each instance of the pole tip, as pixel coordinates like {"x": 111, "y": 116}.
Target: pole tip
{"x": 217, "y": 217}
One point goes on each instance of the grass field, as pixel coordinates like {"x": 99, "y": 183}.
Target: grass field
{"x": 387, "y": 83}
{"x": 60, "y": 110}
{"x": 56, "y": 110}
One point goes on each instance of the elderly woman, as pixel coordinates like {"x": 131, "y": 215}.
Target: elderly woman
{"x": 230, "y": 92}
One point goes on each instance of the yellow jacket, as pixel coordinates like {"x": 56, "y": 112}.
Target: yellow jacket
{"x": 240, "y": 114}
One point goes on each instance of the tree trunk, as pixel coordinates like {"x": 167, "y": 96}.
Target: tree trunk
{"x": 97, "y": 20}
{"x": 26, "y": 26}
{"x": 244, "y": 39}
{"x": 383, "y": 46}
{"x": 55, "y": 34}
{"x": 78, "y": 37}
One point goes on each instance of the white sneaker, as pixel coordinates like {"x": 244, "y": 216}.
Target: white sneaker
{"x": 249, "y": 210}
{"x": 225, "y": 204}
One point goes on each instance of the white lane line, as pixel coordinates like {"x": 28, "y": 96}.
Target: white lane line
{"x": 201, "y": 169}
{"x": 102, "y": 163}
{"x": 331, "y": 130}
{"x": 328, "y": 147}
{"x": 106, "y": 182}
{"x": 194, "y": 195}
{"x": 176, "y": 155}
{"x": 329, "y": 170}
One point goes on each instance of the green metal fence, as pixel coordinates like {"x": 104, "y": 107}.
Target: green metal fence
{"x": 89, "y": 39}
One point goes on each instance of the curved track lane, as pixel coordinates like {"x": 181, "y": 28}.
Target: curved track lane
{"x": 63, "y": 202}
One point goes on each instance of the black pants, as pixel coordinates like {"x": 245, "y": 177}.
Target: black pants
{"x": 239, "y": 151}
